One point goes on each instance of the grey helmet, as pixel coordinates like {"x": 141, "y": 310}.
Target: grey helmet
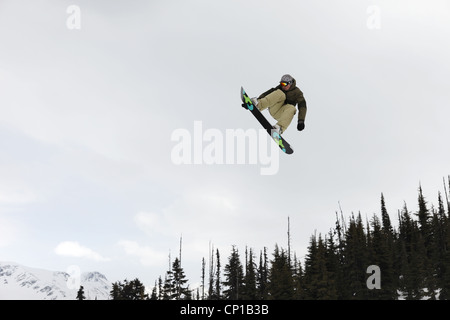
{"x": 287, "y": 78}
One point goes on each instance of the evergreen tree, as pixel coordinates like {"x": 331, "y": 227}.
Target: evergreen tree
{"x": 437, "y": 249}
{"x": 414, "y": 257}
{"x": 250, "y": 289}
{"x": 405, "y": 249}
{"x": 218, "y": 283}
{"x": 445, "y": 277}
{"x": 138, "y": 290}
{"x": 337, "y": 249}
{"x": 318, "y": 284}
{"x": 424, "y": 217}
{"x": 160, "y": 289}
{"x": 447, "y": 197}
{"x": 418, "y": 264}
{"x": 382, "y": 256}
{"x": 115, "y": 291}
{"x": 428, "y": 239}
{"x": 234, "y": 277}
{"x": 386, "y": 221}
{"x": 203, "y": 279}
{"x": 129, "y": 290}
{"x": 211, "y": 275}
{"x": 310, "y": 276}
{"x": 154, "y": 295}
{"x": 297, "y": 278}
{"x": 80, "y": 294}
{"x": 444, "y": 259}
{"x": 281, "y": 284}
{"x": 335, "y": 273}
{"x": 168, "y": 286}
{"x": 179, "y": 290}
{"x": 215, "y": 284}
{"x": 355, "y": 259}
{"x": 389, "y": 238}
{"x": 262, "y": 276}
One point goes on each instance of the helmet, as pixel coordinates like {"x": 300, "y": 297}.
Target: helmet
{"x": 287, "y": 78}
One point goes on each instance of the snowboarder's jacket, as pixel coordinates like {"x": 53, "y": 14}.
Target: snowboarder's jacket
{"x": 294, "y": 96}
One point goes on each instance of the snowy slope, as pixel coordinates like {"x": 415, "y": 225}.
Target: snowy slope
{"x": 19, "y": 282}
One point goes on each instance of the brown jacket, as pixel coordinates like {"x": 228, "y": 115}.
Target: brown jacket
{"x": 294, "y": 96}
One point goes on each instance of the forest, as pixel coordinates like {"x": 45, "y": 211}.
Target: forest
{"x": 410, "y": 261}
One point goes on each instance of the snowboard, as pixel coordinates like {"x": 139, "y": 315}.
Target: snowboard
{"x": 279, "y": 140}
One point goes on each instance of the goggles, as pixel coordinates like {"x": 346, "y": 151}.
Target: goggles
{"x": 285, "y": 83}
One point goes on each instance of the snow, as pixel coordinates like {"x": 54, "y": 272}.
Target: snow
{"x": 19, "y": 282}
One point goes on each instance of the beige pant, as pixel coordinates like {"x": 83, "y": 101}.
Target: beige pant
{"x": 283, "y": 113}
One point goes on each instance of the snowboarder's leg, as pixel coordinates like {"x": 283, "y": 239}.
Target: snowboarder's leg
{"x": 284, "y": 115}
{"x": 272, "y": 100}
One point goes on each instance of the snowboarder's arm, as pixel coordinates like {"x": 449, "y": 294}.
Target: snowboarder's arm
{"x": 302, "y": 110}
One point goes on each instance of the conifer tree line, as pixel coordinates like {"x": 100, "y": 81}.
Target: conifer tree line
{"x": 413, "y": 260}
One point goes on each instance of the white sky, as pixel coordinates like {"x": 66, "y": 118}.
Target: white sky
{"x": 86, "y": 175}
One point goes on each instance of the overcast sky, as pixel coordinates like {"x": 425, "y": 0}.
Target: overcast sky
{"x": 92, "y": 94}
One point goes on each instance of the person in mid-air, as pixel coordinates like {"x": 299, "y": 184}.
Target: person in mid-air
{"x": 281, "y": 102}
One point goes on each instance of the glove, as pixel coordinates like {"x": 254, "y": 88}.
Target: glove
{"x": 300, "y": 125}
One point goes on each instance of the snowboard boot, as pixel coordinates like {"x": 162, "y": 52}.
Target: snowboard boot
{"x": 255, "y": 102}
{"x": 278, "y": 129}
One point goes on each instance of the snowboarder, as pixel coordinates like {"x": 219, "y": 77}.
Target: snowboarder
{"x": 281, "y": 102}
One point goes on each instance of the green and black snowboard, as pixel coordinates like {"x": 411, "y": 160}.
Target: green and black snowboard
{"x": 279, "y": 140}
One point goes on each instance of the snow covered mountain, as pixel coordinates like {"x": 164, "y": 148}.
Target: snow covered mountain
{"x": 19, "y": 282}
